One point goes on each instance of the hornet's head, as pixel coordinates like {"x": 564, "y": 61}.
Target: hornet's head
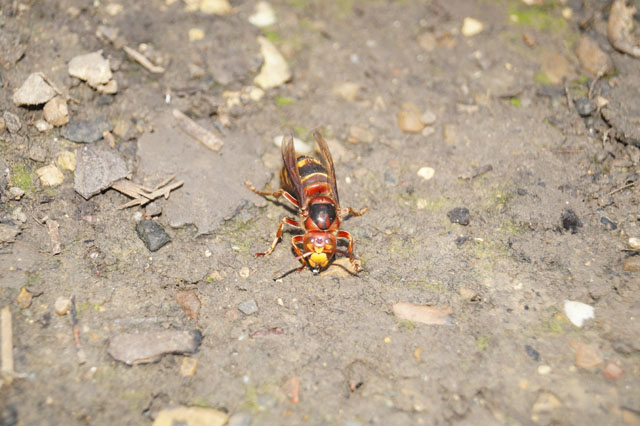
{"x": 319, "y": 249}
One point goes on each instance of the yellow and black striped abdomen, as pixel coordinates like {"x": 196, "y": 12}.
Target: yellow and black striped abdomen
{"x": 313, "y": 175}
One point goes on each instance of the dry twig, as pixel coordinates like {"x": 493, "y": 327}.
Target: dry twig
{"x": 142, "y": 60}
{"x": 198, "y": 132}
{"x": 54, "y": 236}
{"x": 142, "y": 195}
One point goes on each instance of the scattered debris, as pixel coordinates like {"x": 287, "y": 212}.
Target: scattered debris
{"x": 92, "y": 68}
{"x": 275, "y": 70}
{"x": 62, "y": 305}
{"x": 141, "y": 194}
{"x": 190, "y": 416}
{"x": 586, "y": 356}
{"x": 56, "y": 112}
{"x": 291, "y": 389}
{"x": 620, "y": 28}
{"x": 476, "y": 171}
{"x": 142, "y": 60}
{"x": 248, "y": 307}
{"x": 188, "y": 367}
{"x": 426, "y": 173}
{"x": 24, "y": 298}
{"x": 592, "y": 58}
{"x": 570, "y": 221}
{"x": 150, "y": 346}
{"x": 459, "y": 215}
{"x": 54, "y": 236}
{"x": 190, "y": 304}
{"x": 578, "y": 312}
{"x": 471, "y": 27}
{"x": 409, "y": 119}
{"x": 50, "y": 175}
{"x": 152, "y": 234}
{"x": 97, "y": 170}
{"x": 198, "y": 132}
{"x": 263, "y": 16}
{"x": 434, "y": 315}
{"x": 6, "y": 348}
{"x": 86, "y": 131}
{"x": 12, "y": 122}
{"x": 34, "y": 91}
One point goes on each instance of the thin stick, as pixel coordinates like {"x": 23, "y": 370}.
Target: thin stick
{"x": 142, "y": 60}
{"x": 7, "y": 342}
{"x": 198, "y": 132}
{"x": 54, "y": 236}
{"x": 593, "y": 83}
{"x": 622, "y": 188}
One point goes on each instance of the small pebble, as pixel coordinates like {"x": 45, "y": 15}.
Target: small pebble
{"x": 188, "y": 367}
{"x": 533, "y": 354}
{"x": 612, "y": 371}
{"x": 428, "y": 118}
{"x": 190, "y": 304}
{"x": 459, "y": 215}
{"x": 3, "y": 124}
{"x": 67, "y": 160}
{"x": 34, "y": 91}
{"x": 263, "y": 16}
{"x": 152, "y": 234}
{"x": 91, "y": 67}
{"x": 426, "y": 173}
{"x": 302, "y": 148}
{"x": 471, "y": 27}
{"x": 16, "y": 193}
{"x": 190, "y": 416}
{"x": 409, "y": 119}
{"x": 584, "y": 107}
{"x": 62, "y": 305}
{"x": 275, "y": 71}
{"x": 608, "y": 224}
{"x": 248, "y": 307}
{"x": 214, "y": 7}
{"x": 240, "y": 419}
{"x": 586, "y": 356}
{"x": 631, "y": 264}
{"x": 109, "y": 88}
{"x": 24, "y": 298}
{"x": 87, "y": 131}
{"x": 570, "y": 221}
{"x": 12, "y": 122}
{"x": 545, "y": 403}
{"x": 96, "y": 170}
{"x": 634, "y": 243}
{"x": 43, "y": 125}
{"x": 50, "y": 175}
{"x": 291, "y": 389}
{"x": 468, "y": 294}
{"x": 347, "y": 90}
{"x": 244, "y": 272}
{"x": 196, "y": 34}
{"x": 578, "y": 312}
{"x": 433, "y": 315}
{"x": 428, "y": 131}
{"x": 592, "y": 58}
{"x": 359, "y": 135}
{"x": 56, "y": 111}
{"x": 543, "y": 370}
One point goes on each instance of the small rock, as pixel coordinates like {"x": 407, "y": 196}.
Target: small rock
{"x": 109, "y": 88}
{"x": 543, "y": 370}
{"x": 18, "y": 215}
{"x": 291, "y": 389}
{"x": 56, "y": 111}
{"x": 43, "y": 126}
{"x": 188, "y": 367}
{"x": 12, "y": 122}
{"x": 34, "y": 91}
{"x": 359, "y": 135}
{"x": 586, "y": 356}
{"x": 620, "y": 28}
{"x": 96, "y": 170}
{"x": 248, "y": 307}
{"x": 578, "y": 312}
{"x": 434, "y": 315}
{"x": 468, "y": 294}
{"x": 196, "y": 71}
{"x": 16, "y": 193}
{"x": 459, "y": 215}
{"x": 50, "y": 175}
{"x": 189, "y": 302}
{"x": 92, "y": 68}
{"x": 240, "y": 419}
{"x": 631, "y": 264}
{"x": 87, "y": 131}
{"x": 190, "y": 416}
{"x": 634, "y": 243}
{"x": 426, "y": 173}
{"x": 584, "y": 107}
{"x": 215, "y": 7}
{"x": 612, "y": 371}
{"x": 428, "y": 118}
{"x": 409, "y": 119}
{"x": 62, "y": 305}
{"x": 263, "y": 16}
{"x": 347, "y": 91}
{"x": 471, "y": 27}
{"x": 535, "y": 355}
{"x": 449, "y": 133}
{"x": 153, "y": 209}
{"x": 546, "y": 403}
{"x": 244, "y": 272}
{"x": 24, "y": 299}
{"x": 608, "y": 224}
{"x": 275, "y": 70}
{"x": 150, "y": 346}
{"x": 570, "y": 221}
{"x": 152, "y": 234}
{"x": 195, "y": 34}
{"x": 67, "y": 160}
{"x": 302, "y": 148}
{"x": 428, "y": 131}
{"x": 593, "y": 59}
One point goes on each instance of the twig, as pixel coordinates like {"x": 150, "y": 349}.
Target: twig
{"x": 198, "y": 132}
{"x": 622, "y": 188}
{"x": 476, "y": 171}
{"x": 595, "y": 80}
{"x": 82, "y": 358}
{"x": 54, "y": 236}
{"x": 7, "y": 342}
{"x": 567, "y": 94}
{"x": 142, "y": 195}
{"x": 142, "y": 60}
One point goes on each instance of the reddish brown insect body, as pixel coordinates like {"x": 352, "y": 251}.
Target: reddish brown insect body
{"x": 310, "y": 185}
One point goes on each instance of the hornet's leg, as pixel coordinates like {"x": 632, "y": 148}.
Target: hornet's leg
{"x": 349, "y": 210}
{"x": 348, "y": 237}
{"x": 279, "y": 193}
{"x": 279, "y": 235}
{"x": 295, "y": 240}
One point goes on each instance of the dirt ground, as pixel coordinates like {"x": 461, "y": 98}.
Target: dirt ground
{"x": 506, "y": 97}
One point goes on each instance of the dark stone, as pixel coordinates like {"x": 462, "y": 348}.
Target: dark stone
{"x": 570, "y": 221}
{"x": 611, "y": 226}
{"x": 535, "y": 355}
{"x": 461, "y": 240}
{"x": 152, "y": 234}
{"x": 96, "y": 170}
{"x": 87, "y": 131}
{"x": 459, "y": 215}
{"x": 584, "y": 106}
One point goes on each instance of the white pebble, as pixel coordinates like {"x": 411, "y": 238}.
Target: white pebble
{"x": 578, "y": 312}
{"x": 543, "y": 370}
{"x": 426, "y": 173}
{"x": 634, "y": 243}
{"x": 62, "y": 305}
{"x": 300, "y": 146}
{"x": 263, "y": 16}
{"x": 471, "y": 27}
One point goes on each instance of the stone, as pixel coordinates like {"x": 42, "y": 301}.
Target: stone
{"x": 449, "y": 133}
{"x": 427, "y": 41}
{"x": 533, "y": 354}
{"x": 87, "y": 131}
{"x": 16, "y": 193}
{"x": 471, "y": 27}
{"x": 240, "y": 419}
{"x": 570, "y": 221}
{"x": 50, "y": 175}
{"x": 584, "y": 106}
{"x": 631, "y": 264}
{"x": 109, "y": 88}
{"x": 586, "y": 356}
{"x": 12, "y": 122}
{"x": 426, "y": 173}
{"x": 150, "y": 346}
{"x": 188, "y": 367}
{"x": 428, "y": 118}
{"x": 190, "y": 304}
{"x": 34, "y": 91}
{"x": 96, "y": 170}
{"x": 92, "y": 68}
{"x": 459, "y": 215}
{"x": 190, "y": 416}
{"x": 152, "y": 234}
{"x": 275, "y": 71}
{"x": 578, "y": 312}
{"x": 634, "y": 243}
{"x": 195, "y": 34}
{"x": 592, "y": 58}
{"x": 62, "y": 305}
{"x": 43, "y": 125}
{"x": 215, "y": 7}
{"x": 608, "y": 223}
{"x": 546, "y": 403}
{"x": 433, "y": 315}
{"x": 24, "y": 298}
{"x": 612, "y": 371}
{"x": 359, "y": 135}
{"x": 468, "y": 294}
{"x": 301, "y": 147}
{"x": 291, "y": 389}
{"x": 248, "y": 307}
{"x": 409, "y": 119}
{"x": 67, "y": 161}
{"x": 620, "y": 28}
{"x": 263, "y": 16}
{"x": 3, "y": 124}
{"x": 56, "y": 112}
